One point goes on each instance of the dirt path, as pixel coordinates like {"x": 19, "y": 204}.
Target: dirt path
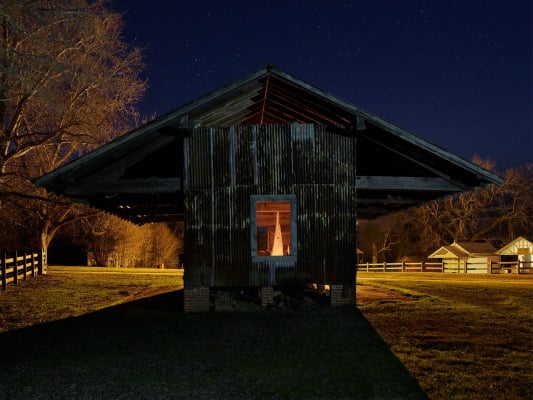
{"x": 366, "y": 294}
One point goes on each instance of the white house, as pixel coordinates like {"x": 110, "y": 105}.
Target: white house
{"x": 518, "y": 252}
{"x": 466, "y": 257}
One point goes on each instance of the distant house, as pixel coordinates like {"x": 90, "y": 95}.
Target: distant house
{"x": 466, "y": 257}
{"x": 269, "y": 174}
{"x": 517, "y": 253}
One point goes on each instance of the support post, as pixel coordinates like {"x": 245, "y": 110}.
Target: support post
{"x": 267, "y": 296}
{"x": 196, "y": 299}
{"x": 341, "y": 295}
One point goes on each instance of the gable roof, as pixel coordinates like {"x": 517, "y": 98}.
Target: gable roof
{"x": 518, "y": 246}
{"x": 464, "y": 250}
{"x": 415, "y": 170}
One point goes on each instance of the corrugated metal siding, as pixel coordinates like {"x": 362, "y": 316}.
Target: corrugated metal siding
{"x": 305, "y": 160}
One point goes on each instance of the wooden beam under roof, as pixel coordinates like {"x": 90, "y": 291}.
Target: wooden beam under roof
{"x": 129, "y": 186}
{"x": 411, "y": 183}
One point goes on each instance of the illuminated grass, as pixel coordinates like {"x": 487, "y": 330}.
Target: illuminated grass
{"x": 461, "y": 337}
{"x": 149, "y": 349}
{"x": 72, "y": 291}
{"x": 468, "y": 337}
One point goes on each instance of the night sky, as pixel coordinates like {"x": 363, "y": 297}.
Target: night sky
{"x": 456, "y": 73}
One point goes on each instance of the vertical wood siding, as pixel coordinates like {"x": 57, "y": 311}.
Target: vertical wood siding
{"x": 225, "y": 166}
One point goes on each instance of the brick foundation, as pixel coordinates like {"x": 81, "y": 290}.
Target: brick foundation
{"x": 267, "y": 296}
{"x": 338, "y": 298}
{"x": 196, "y": 299}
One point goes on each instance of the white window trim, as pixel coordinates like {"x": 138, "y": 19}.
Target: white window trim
{"x": 253, "y": 227}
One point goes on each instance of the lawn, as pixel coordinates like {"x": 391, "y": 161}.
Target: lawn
{"x": 464, "y": 337}
{"x": 90, "y": 335}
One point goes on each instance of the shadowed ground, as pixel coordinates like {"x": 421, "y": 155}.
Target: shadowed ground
{"x": 149, "y": 349}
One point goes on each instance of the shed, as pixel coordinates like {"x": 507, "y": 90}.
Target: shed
{"x": 269, "y": 174}
{"x": 517, "y": 253}
{"x": 466, "y": 257}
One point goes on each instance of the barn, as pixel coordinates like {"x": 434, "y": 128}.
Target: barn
{"x": 269, "y": 174}
{"x": 517, "y": 255}
{"x": 466, "y": 257}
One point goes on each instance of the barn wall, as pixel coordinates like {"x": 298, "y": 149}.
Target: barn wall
{"x": 225, "y": 166}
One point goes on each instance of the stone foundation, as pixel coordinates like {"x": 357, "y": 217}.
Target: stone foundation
{"x": 196, "y": 299}
{"x": 341, "y": 297}
{"x": 267, "y": 296}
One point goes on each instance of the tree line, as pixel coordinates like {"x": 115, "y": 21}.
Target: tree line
{"x": 69, "y": 83}
{"x": 497, "y": 214}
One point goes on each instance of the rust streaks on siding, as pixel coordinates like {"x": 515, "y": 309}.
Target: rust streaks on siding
{"x": 316, "y": 165}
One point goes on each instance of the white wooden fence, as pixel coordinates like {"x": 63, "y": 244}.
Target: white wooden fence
{"x": 422, "y": 266}
{"x": 20, "y": 267}
{"x": 471, "y": 266}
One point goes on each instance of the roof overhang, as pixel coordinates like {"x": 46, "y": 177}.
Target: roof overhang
{"x": 137, "y": 176}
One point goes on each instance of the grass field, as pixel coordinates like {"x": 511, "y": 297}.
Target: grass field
{"x": 464, "y": 337}
{"x": 90, "y": 335}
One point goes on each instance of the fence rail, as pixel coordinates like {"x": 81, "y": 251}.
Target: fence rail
{"x": 20, "y": 267}
{"x": 493, "y": 267}
{"x": 402, "y": 267}
{"x": 516, "y": 267}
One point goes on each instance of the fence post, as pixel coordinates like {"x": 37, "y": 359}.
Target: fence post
{"x": 33, "y": 256}
{"x": 4, "y": 272}
{"x": 367, "y": 266}
{"x": 24, "y": 264}
{"x": 403, "y": 266}
{"x": 384, "y": 266}
{"x": 422, "y": 265}
{"x": 42, "y": 262}
{"x": 15, "y": 269}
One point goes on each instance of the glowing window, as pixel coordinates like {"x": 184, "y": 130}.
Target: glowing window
{"x": 273, "y": 226}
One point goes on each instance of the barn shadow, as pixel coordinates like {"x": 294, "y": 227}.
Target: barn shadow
{"x": 148, "y": 348}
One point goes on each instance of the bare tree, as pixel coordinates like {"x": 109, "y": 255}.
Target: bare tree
{"x": 496, "y": 213}
{"x": 378, "y": 238}
{"x": 166, "y": 246}
{"x": 113, "y": 242}
{"x": 68, "y": 83}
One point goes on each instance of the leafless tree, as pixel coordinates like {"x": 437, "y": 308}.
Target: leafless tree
{"x": 113, "y": 242}
{"x": 378, "y": 238}
{"x": 68, "y": 83}
{"x": 497, "y": 214}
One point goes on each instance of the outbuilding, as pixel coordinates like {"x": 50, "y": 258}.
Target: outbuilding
{"x": 466, "y": 257}
{"x": 517, "y": 256}
{"x": 269, "y": 174}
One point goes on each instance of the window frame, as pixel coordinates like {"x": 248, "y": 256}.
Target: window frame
{"x": 254, "y": 199}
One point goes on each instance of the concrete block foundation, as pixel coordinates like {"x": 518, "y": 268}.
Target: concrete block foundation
{"x": 196, "y": 299}
{"x": 341, "y": 296}
{"x": 267, "y": 296}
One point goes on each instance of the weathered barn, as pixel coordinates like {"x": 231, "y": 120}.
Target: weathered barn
{"x": 269, "y": 174}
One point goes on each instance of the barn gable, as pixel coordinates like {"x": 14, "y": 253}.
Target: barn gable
{"x": 464, "y": 250}
{"x": 139, "y": 176}
{"x": 519, "y": 246}
{"x": 269, "y": 175}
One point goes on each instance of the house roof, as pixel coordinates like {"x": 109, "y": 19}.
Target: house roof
{"x": 395, "y": 168}
{"x": 464, "y": 250}
{"x": 520, "y": 245}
